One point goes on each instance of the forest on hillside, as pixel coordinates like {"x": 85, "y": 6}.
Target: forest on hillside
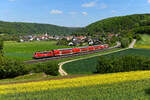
{"x": 138, "y": 23}
{"x": 34, "y": 28}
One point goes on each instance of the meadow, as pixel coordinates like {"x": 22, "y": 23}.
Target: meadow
{"x": 144, "y": 43}
{"x": 124, "y": 86}
{"x": 88, "y": 66}
{"x": 25, "y": 51}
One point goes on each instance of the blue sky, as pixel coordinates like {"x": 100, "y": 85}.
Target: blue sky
{"x": 73, "y": 13}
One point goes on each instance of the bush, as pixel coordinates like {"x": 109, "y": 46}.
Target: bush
{"x": 122, "y": 64}
{"x": 11, "y": 68}
{"x": 38, "y": 68}
{"x": 49, "y": 68}
{"x": 104, "y": 65}
{"x": 138, "y": 37}
{"x": 125, "y": 42}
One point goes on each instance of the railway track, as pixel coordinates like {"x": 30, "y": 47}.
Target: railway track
{"x": 66, "y": 56}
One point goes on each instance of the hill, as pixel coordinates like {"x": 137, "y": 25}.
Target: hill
{"x": 120, "y": 24}
{"x": 34, "y": 28}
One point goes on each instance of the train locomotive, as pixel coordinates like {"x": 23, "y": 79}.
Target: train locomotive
{"x": 67, "y": 51}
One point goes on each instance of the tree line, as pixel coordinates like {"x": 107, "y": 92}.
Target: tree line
{"x": 34, "y": 28}
{"x": 124, "y": 63}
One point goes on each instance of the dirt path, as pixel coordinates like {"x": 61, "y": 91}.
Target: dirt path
{"x": 63, "y": 73}
{"x": 132, "y": 44}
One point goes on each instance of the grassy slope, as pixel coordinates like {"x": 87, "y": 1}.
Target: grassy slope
{"x": 144, "y": 43}
{"x": 118, "y": 86}
{"x": 88, "y": 66}
{"x": 25, "y": 51}
{"x": 28, "y": 77}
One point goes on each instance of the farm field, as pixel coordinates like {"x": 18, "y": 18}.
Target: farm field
{"x": 116, "y": 86}
{"x": 25, "y": 51}
{"x": 144, "y": 43}
{"x": 88, "y": 66}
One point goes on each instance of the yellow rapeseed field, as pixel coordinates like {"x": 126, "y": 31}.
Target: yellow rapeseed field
{"x": 142, "y": 46}
{"x": 75, "y": 82}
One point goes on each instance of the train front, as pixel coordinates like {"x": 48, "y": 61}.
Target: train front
{"x": 43, "y": 54}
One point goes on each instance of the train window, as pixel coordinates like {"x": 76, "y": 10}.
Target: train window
{"x": 45, "y": 52}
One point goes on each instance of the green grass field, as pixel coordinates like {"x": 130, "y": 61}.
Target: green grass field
{"x": 144, "y": 43}
{"x": 25, "y": 51}
{"x": 88, "y": 66}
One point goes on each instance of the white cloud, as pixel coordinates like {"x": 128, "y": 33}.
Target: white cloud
{"x": 55, "y": 11}
{"x": 11, "y": 0}
{"x": 84, "y": 13}
{"x": 90, "y": 4}
{"x": 103, "y": 6}
{"x": 148, "y": 1}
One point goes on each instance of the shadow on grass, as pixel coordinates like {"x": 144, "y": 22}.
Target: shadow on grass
{"x": 147, "y": 91}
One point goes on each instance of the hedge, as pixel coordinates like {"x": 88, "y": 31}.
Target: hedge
{"x": 122, "y": 64}
{"x": 49, "y": 68}
{"x": 11, "y": 68}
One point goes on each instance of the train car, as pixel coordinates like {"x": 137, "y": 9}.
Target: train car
{"x": 102, "y": 46}
{"x": 43, "y": 54}
{"x": 76, "y": 50}
{"x": 65, "y": 51}
{"x": 56, "y": 52}
{"x": 91, "y": 48}
{"x": 84, "y": 49}
{"x": 97, "y": 47}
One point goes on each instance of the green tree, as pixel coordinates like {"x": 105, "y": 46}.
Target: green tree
{"x": 62, "y": 42}
{"x": 1, "y": 47}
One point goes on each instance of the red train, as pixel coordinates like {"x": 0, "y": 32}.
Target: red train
{"x": 60, "y": 52}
